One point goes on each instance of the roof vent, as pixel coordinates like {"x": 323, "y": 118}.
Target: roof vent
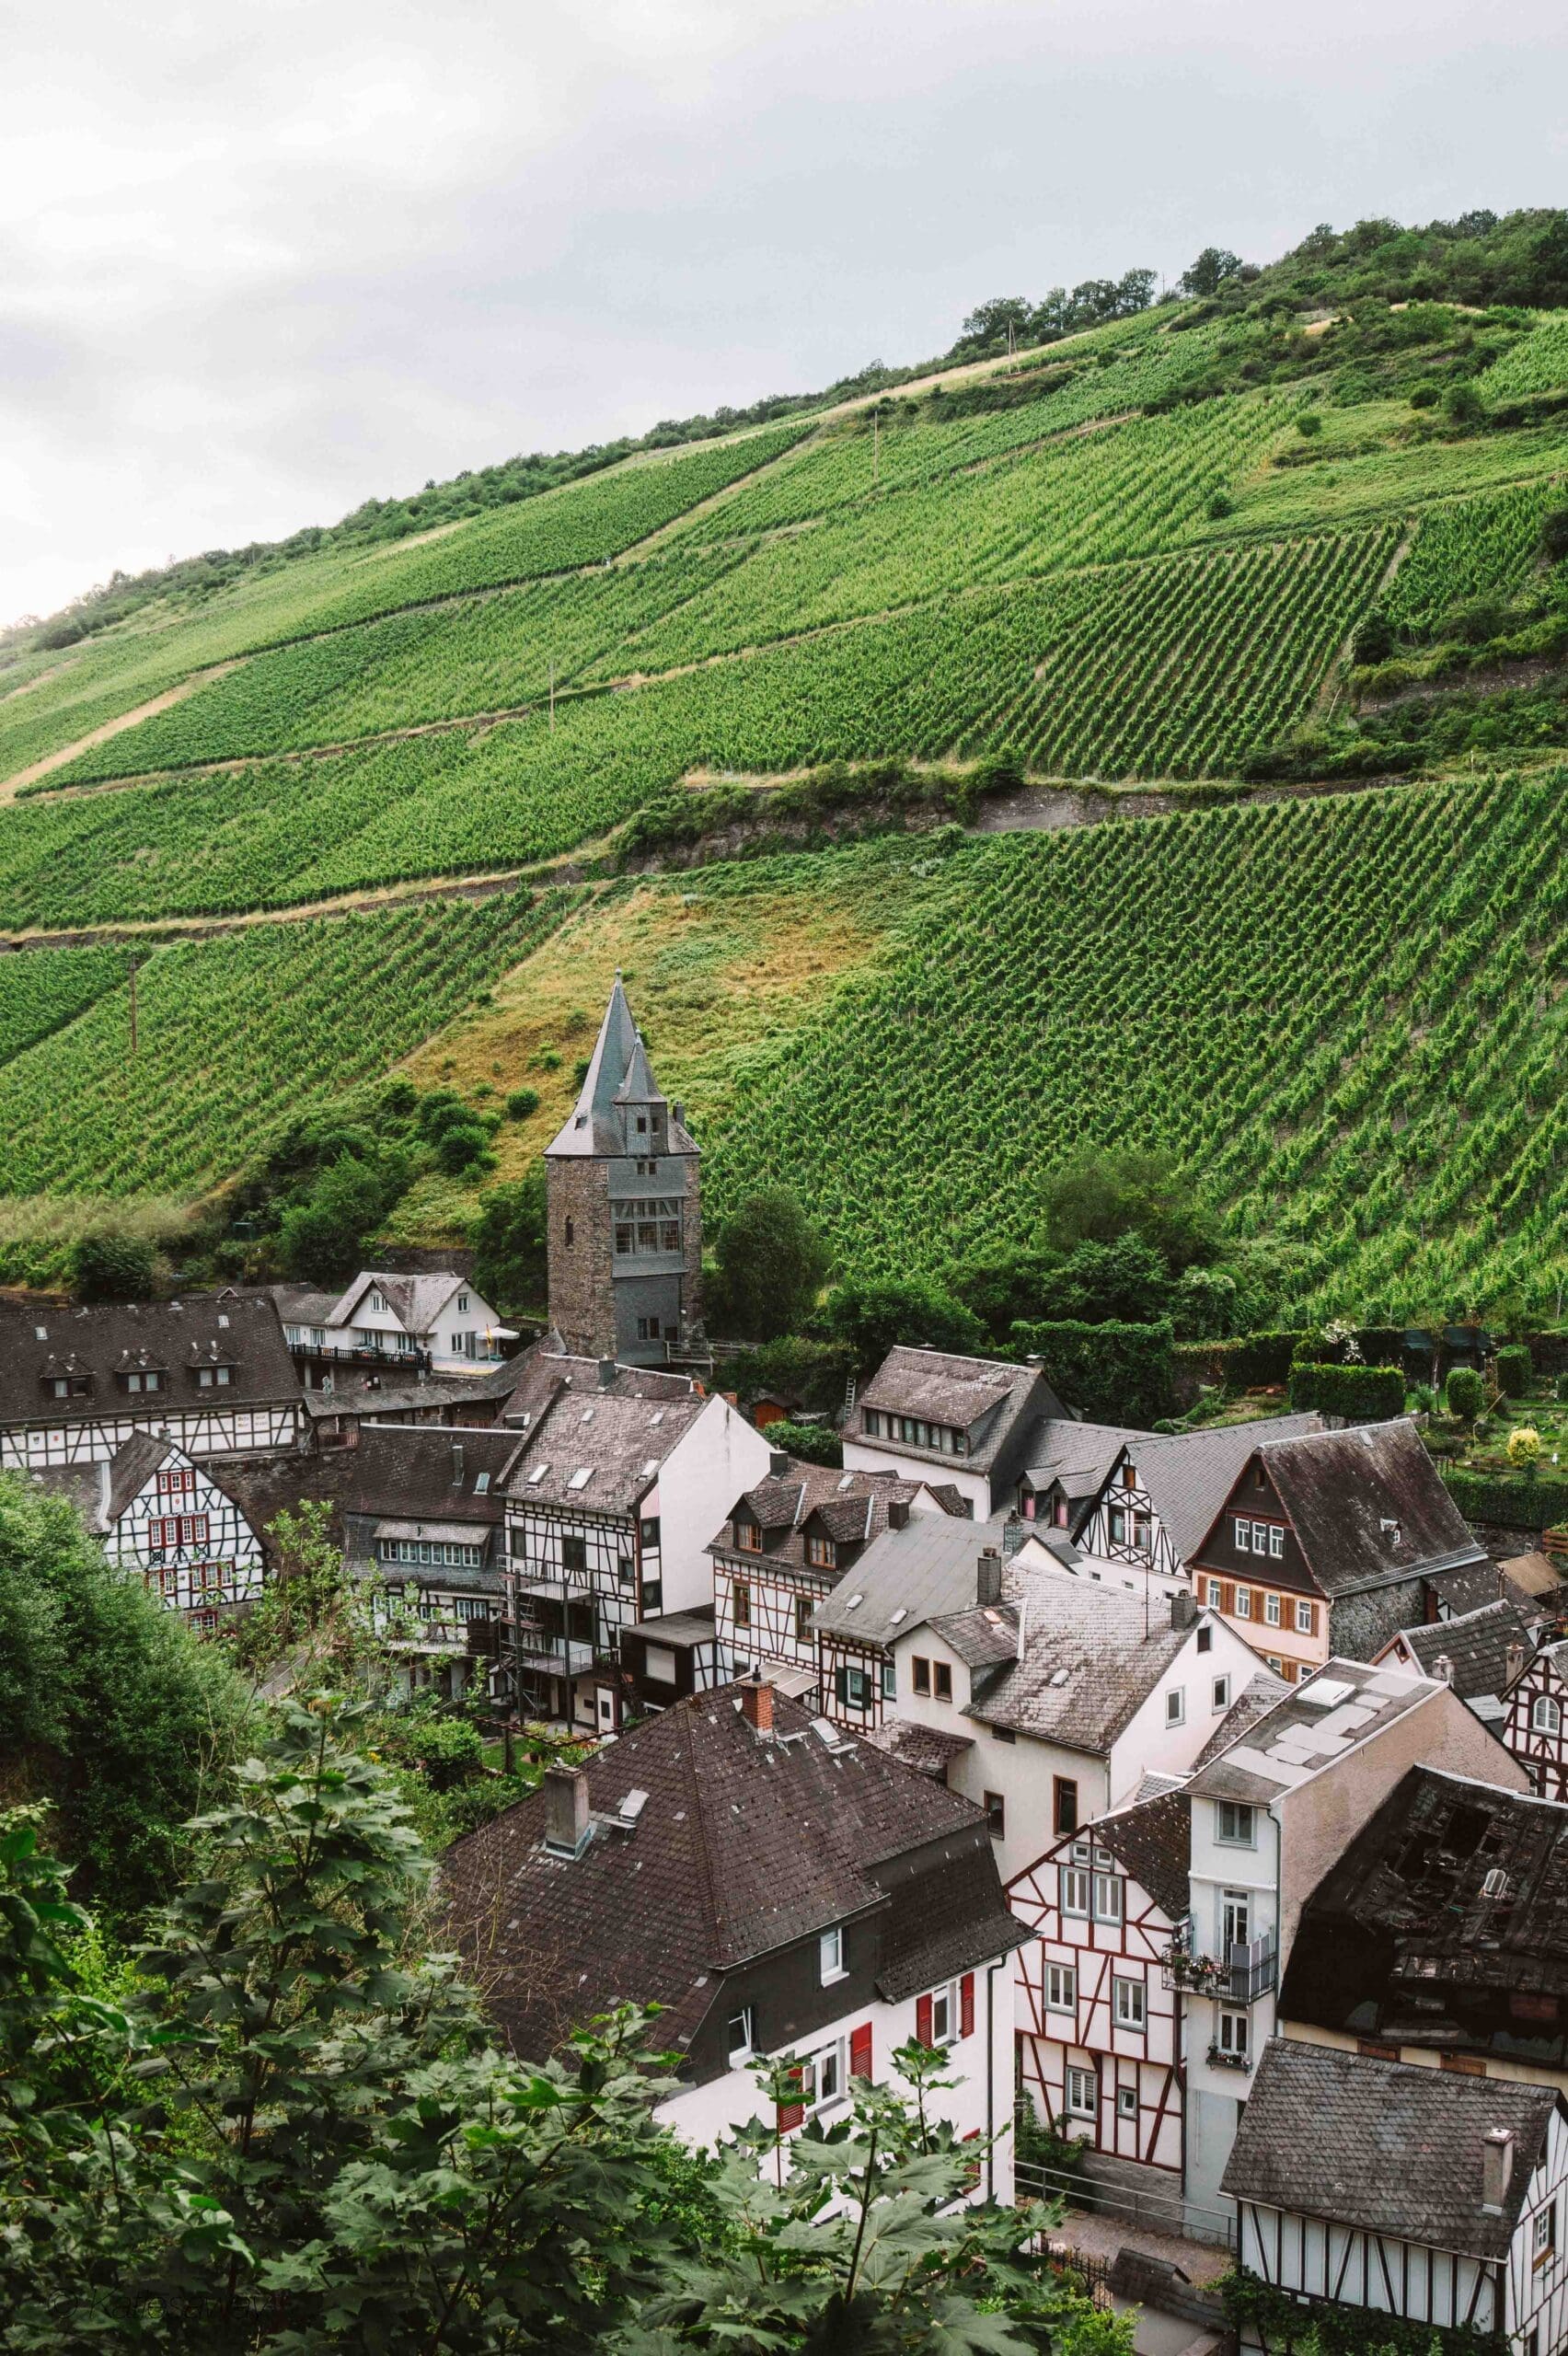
{"x": 631, "y": 1807}
{"x": 1443, "y": 1668}
{"x": 778, "y": 1465}
{"x": 831, "y": 1737}
{"x": 897, "y": 1513}
{"x": 1390, "y": 1529}
{"x": 1324, "y": 1692}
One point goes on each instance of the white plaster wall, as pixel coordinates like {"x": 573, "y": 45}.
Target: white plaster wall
{"x": 870, "y": 1456}
{"x": 1146, "y": 1745}
{"x": 708, "y": 1469}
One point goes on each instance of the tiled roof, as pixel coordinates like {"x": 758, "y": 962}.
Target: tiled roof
{"x": 1153, "y": 1839}
{"x": 85, "y": 1486}
{"x": 1077, "y": 1455}
{"x": 908, "y": 1577}
{"x": 1091, "y": 1656}
{"x": 416, "y": 1301}
{"x": 425, "y": 1472}
{"x": 926, "y": 1748}
{"x": 1385, "y": 2148}
{"x": 937, "y": 1388}
{"x": 1341, "y": 1704}
{"x": 618, "y": 1075}
{"x": 537, "y": 1377}
{"x": 303, "y": 1305}
{"x": 1188, "y": 1475}
{"x": 1367, "y": 1505}
{"x": 743, "y": 1845}
{"x": 130, "y": 1468}
{"x": 600, "y": 1452}
{"x": 239, "y": 1329}
{"x": 1443, "y": 1924}
{"x": 1477, "y": 1644}
{"x": 1258, "y": 1696}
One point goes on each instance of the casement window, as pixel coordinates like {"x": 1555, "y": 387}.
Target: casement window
{"x": 1235, "y": 2034}
{"x": 941, "y": 1680}
{"x": 1074, "y": 1892}
{"x": 626, "y": 1571}
{"x": 178, "y": 1481}
{"x": 462, "y": 1304}
{"x": 818, "y": 2082}
{"x": 1235, "y": 1824}
{"x": 995, "y": 1806}
{"x": 1546, "y": 1717}
{"x": 740, "y": 2037}
{"x": 1215, "y": 1595}
{"x": 1059, "y": 1514}
{"x": 1270, "y": 1609}
{"x": 648, "y": 1532}
{"x": 377, "y": 1305}
{"x": 141, "y": 1378}
{"x": 821, "y": 1554}
{"x": 1305, "y": 1619}
{"x": 70, "y": 1386}
{"x": 1235, "y": 1919}
{"x": 920, "y": 1674}
{"x": 1243, "y": 1535}
{"x": 1205, "y": 1638}
{"x": 214, "y": 1378}
{"x": 853, "y": 1687}
{"x": 748, "y": 1537}
{"x": 890, "y": 1680}
{"x": 1272, "y": 1660}
{"x": 1061, "y": 1988}
{"x": 429, "y": 1554}
{"x": 575, "y": 1555}
{"x": 804, "y": 1606}
{"x": 740, "y": 1596}
{"x": 1064, "y": 1804}
{"x": 1176, "y": 1707}
{"x": 169, "y": 1579}
{"x": 1128, "y": 2003}
{"x": 1276, "y": 1543}
{"x": 177, "y": 1529}
{"x": 1118, "y": 1527}
{"x": 1129, "y": 1476}
{"x": 1543, "y": 2233}
{"x": 649, "y": 1329}
{"x": 947, "y": 2014}
{"x": 1082, "y": 2092}
{"x": 1220, "y": 1694}
{"x": 1243, "y": 1603}
{"x": 1126, "y": 2102}
{"x": 831, "y": 1964}
{"x": 652, "y": 1596}
{"x": 1107, "y": 1898}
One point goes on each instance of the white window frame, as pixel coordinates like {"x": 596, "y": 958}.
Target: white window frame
{"x": 1243, "y": 1603}
{"x": 830, "y": 1956}
{"x": 1108, "y": 1906}
{"x": 1236, "y": 1906}
{"x": 825, "y": 2064}
{"x": 1176, "y": 1705}
{"x": 1076, "y": 1893}
{"x": 1243, "y": 1821}
{"x": 1233, "y": 2032}
{"x": 1303, "y": 1617}
{"x": 1215, "y": 1595}
{"x": 1081, "y": 2091}
{"x": 1221, "y": 1694}
{"x": 1061, "y": 1988}
{"x": 1546, "y": 1715}
{"x": 1126, "y": 2102}
{"x": 1543, "y": 2232}
{"x": 1272, "y": 1615}
{"x": 1243, "y": 1534}
{"x": 1276, "y": 1543}
{"x": 946, "y": 1996}
{"x": 741, "y": 2053}
{"x": 1129, "y": 2002}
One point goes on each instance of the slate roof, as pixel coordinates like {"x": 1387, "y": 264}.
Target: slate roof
{"x": 1392, "y": 2149}
{"x": 1188, "y": 1475}
{"x": 1153, "y": 1839}
{"x": 264, "y": 1488}
{"x": 84, "y": 1486}
{"x": 1444, "y": 1924}
{"x": 416, "y": 1301}
{"x": 1077, "y": 1455}
{"x": 101, "y": 1339}
{"x": 848, "y": 1507}
{"x": 1533, "y": 1575}
{"x": 427, "y": 1473}
{"x": 130, "y": 1468}
{"x": 1256, "y": 1697}
{"x": 1470, "y": 1585}
{"x": 601, "y": 1454}
{"x": 538, "y": 1376}
{"x": 1340, "y": 1488}
{"x": 1091, "y": 1656}
{"x": 928, "y": 1749}
{"x": 1341, "y": 1704}
{"x": 303, "y": 1305}
{"x": 927, "y": 1568}
{"x": 938, "y": 1388}
{"x": 743, "y": 1846}
{"x": 618, "y": 1075}
{"x": 1477, "y": 1644}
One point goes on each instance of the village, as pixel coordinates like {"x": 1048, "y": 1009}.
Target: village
{"x": 1202, "y": 1797}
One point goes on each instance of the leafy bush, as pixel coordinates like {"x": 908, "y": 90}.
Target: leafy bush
{"x": 1252, "y": 1362}
{"x": 113, "y": 1267}
{"x": 509, "y": 1240}
{"x": 1102, "y": 1197}
{"x": 321, "y": 1238}
{"x": 871, "y": 1314}
{"x": 812, "y": 1443}
{"x": 771, "y": 1263}
{"x": 1514, "y": 1371}
{"x": 1537, "y": 1504}
{"x": 1361, "y": 1394}
{"x": 1309, "y": 424}
{"x": 1112, "y": 1373}
{"x": 1465, "y": 1393}
{"x": 522, "y": 1103}
{"x": 795, "y": 1366}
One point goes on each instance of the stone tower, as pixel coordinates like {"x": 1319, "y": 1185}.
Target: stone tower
{"x": 625, "y": 1217}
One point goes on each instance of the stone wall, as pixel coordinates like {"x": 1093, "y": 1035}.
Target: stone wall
{"x": 582, "y": 1291}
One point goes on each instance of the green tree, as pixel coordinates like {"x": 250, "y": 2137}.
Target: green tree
{"x": 871, "y": 1314}
{"x": 771, "y": 1263}
{"x": 322, "y": 1236}
{"x": 110, "y": 1708}
{"x": 508, "y": 1239}
{"x": 1214, "y": 268}
{"x": 1103, "y": 1196}
{"x": 113, "y": 1267}
{"x": 1465, "y": 1393}
{"x": 1462, "y": 403}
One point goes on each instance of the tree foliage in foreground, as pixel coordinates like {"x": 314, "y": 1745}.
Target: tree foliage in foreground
{"x": 295, "y": 2134}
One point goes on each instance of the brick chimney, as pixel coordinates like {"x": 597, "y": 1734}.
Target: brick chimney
{"x": 1183, "y": 1608}
{"x": 1443, "y": 1669}
{"x": 1512, "y": 1663}
{"x": 988, "y": 1576}
{"x": 898, "y": 1513}
{"x": 456, "y": 1463}
{"x": 566, "y": 1811}
{"x": 778, "y": 1465}
{"x": 756, "y": 1704}
{"x": 1496, "y": 2169}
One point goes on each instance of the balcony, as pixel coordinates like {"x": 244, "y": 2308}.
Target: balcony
{"x": 557, "y": 1655}
{"x": 1242, "y": 1974}
{"x": 1222, "y": 2058}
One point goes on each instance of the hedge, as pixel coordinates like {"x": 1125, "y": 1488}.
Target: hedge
{"x": 1111, "y": 1373}
{"x": 1281, "y": 2321}
{"x": 1514, "y": 1369}
{"x": 812, "y": 1443}
{"x": 1249, "y": 1364}
{"x": 1512, "y": 1503}
{"x": 1362, "y": 1394}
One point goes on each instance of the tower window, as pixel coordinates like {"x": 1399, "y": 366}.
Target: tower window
{"x": 571, "y": 1233}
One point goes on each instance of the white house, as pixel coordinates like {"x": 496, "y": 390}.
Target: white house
{"x": 1436, "y": 2199}
{"x": 440, "y": 1322}
{"x": 165, "y": 1516}
{"x": 971, "y": 1423}
{"x": 784, "y": 1889}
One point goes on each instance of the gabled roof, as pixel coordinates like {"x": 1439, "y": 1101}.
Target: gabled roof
{"x": 535, "y": 1378}
{"x": 1368, "y": 1506}
{"x": 1153, "y": 1839}
{"x": 416, "y": 1301}
{"x": 304, "y": 1305}
{"x": 935, "y": 1387}
{"x": 1188, "y": 1475}
{"x": 1341, "y": 1704}
{"x": 1091, "y": 1656}
{"x": 811, "y": 1499}
{"x": 744, "y": 1845}
{"x": 101, "y": 1339}
{"x": 1383, "y": 2147}
{"x": 1077, "y": 1456}
{"x": 1477, "y": 1644}
{"x": 601, "y": 1452}
{"x": 618, "y": 1074}
{"x": 908, "y": 1577}
{"x": 426, "y": 1472}
{"x": 1256, "y": 1697}
{"x": 130, "y": 1468}
{"x": 1443, "y": 1924}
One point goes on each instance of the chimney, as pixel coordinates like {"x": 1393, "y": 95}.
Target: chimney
{"x": 1443, "y": 1669}
{"x": 1512, "y": 1663}
{"x": 677, "y": 1113}
{"x": 1014, "y": 1532}
{"x": 606, "y": 1373}
{"x": 1496, "y": 2169}
{"x": 566, "y": 1811}
{"x": 757, "y": 1706}
{"x": 988, "y": 1576}
{"x": 456, "y": 1464}
{"x": 778, "y": 1465}
{"x": 1183, "y": 1608}
{"x": 897, "y": 1513}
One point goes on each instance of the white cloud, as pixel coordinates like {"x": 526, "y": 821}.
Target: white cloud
{"x": 259, "y": 261}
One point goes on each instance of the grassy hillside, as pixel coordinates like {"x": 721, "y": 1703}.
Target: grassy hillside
{"x": 1218, "y": 543}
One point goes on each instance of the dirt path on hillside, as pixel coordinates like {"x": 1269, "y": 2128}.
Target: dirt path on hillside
{"x": 384, "y": 897}
{"x": 10, "y": 787}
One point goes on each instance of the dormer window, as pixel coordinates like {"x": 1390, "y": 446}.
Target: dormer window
{"x": 821, "y": 1554}
{"x": 214, "y": 1378}
{"x": 69, "y": 1386}
{"x": 377, "y": 1305}
{"x": 139, "y": 1378}
{"x": 748, "y": 1537}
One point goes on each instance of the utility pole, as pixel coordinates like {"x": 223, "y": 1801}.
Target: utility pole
{"x": 132, "y": 978}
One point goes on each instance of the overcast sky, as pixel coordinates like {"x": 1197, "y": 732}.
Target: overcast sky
{"x": 263, "y": 259}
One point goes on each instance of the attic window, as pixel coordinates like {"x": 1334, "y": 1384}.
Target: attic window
{"x": 378, "y": 1304}
{"x": 536, "y": 1471}
{"x": 40, "y": 1333}
{"x": 481, "y": 1482}
{"x": 582, "y": 1477}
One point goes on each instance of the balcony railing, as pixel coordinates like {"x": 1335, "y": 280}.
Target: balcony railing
{"x": 560, "y": 1655}
{"x": 1240, "y": 1975}
{"x": 1222, "y": 2057}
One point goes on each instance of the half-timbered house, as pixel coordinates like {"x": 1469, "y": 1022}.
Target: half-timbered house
{"x": 172, "y": 1520}
{"x": 439, "y": 1321}
{"x": 1480, "y": 1654}
{"x": 788, "y": 1542}
{"x": 1329, "y": 1543}
{"x": 914, "y": 1571}
{"x": 1160, "y": 1492}
{"x": 784, "y": 1891}
{"x": 211, "y": 1373}
{"x": 972, "y": 1424}
{"x": 424, "y": 1519}
{"x": 610, "y": 1505}
{"x": 1443, "y": 2202}
{"x": 1099, "y": 2025}
{"x": 1534, "y": 1723}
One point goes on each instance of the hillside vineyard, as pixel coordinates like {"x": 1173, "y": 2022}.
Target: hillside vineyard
{"x": 1153, "y": 556}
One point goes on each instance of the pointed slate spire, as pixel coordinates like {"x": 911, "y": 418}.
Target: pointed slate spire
{"x": 638, "y": 1086}
{"x": 593, "y": 1128}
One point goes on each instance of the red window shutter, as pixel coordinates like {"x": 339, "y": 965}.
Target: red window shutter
{"x": 966, "y": 2006}
{"x": 790, "y": 2115}
{"x": 860, "y": 2051}
{"x": 972, "y": 2172}
{"x": 923, "y": 2020}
